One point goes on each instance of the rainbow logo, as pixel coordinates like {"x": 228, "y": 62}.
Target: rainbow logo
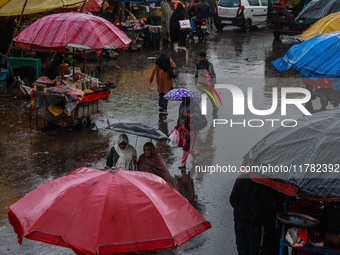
{"x": 210, "y": 91}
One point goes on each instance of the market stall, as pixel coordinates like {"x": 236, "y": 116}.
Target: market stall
{"x": 67, "y": 105}
{"x": 141, "y": 16}
{"x": 303, "y": 163}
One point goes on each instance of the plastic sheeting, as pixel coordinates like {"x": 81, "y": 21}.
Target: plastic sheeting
{"x": 14, "y": 7}
{"x": 308, "y": 152}
{"x": 330, "y": 23}
{"x": 315, "y": 58}
{"x": 318, "y": 9}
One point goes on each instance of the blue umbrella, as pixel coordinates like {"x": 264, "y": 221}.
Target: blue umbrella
{"x": 177, "y": 94}
{"x": 315, "y": 58}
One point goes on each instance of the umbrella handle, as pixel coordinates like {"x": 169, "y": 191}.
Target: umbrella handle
{"x": 136, "y": 142}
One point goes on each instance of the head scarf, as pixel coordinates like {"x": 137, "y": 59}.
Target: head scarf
{"x": 180, "y": 13}
{"x": 185, "y": 105}
{"x": 125, "y": 155}
{"x": 163, "y": 61}
{"x": 154, "y": 164}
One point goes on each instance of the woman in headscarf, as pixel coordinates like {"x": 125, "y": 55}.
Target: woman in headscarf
{"x": 187, "y": 134}
{"x": 122, "y": 154}
{"x": 176, "y": 34}
{"x": 150, "y": 161}
{"x": 164, "y": 82}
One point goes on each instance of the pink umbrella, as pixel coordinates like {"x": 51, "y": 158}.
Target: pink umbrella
{"x": 104, "y": 212}
{"x": 72, "y": 29}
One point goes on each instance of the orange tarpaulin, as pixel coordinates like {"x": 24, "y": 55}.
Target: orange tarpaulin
{"x": 330, "y": 23}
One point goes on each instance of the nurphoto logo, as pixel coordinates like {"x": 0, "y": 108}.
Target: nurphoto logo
{"x": 238, "y": 108}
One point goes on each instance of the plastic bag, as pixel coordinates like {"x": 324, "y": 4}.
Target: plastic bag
{"x": 198, "y": 121}
{"x": 174, "y": 139}
{"x": 185, "y": 25}
{"x": 294, "y": 237}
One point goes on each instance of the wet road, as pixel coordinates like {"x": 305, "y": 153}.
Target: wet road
{"x": 30, "y": 158}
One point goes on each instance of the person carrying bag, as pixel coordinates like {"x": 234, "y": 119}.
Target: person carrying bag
{"x": 164, "y": 81}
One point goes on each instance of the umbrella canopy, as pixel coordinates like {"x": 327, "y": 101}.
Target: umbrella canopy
{"x": 308, "y": 153}
{"x": 14, "y": 7}
{"x": 177, "y": 94}
{"x": 139, "y": 129}
{"x": 330, "y": 23}
{"x": 315, "y": 58}
{"x": 72, "y": 29}
{"x": 104, "y": 212}
{"x": 318, "y": 9}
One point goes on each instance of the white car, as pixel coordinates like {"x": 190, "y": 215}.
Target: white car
{"x": 241, "y": 13}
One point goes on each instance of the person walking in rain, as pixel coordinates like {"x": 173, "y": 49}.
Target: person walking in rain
{"x": 164, "y": 82}
{"x": 150, "y": 161}
{"x": 122, "y": 155}
{"x": 166, "y": 15}
{"x": 187, "y": 133}
{"x": 176, "y": 34}
{"x": 205, "y": 75}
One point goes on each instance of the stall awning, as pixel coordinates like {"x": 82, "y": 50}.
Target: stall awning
{"x": 14, "y": 7}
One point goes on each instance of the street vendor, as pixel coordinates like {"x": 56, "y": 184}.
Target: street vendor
{"x": 166, "y": 15}
{"x": 52, "y": 69}
{"x": 122, "y": 155}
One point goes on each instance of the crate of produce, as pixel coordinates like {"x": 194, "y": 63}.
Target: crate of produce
{"x": 3, "y": 74}
{"x": 15, "y": 62}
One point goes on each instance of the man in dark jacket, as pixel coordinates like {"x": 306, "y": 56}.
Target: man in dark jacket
{"x": 205, "y": 75}
{"x": 255, "y": 208}
{"x": 202, "y": 10}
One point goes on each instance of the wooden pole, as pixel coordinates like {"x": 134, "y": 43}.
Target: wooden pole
{"x": 82, "y": 7}
{"x": 16, "y": 29}
{"x": 84, "y": 61}
{"x": 73, "y": 66}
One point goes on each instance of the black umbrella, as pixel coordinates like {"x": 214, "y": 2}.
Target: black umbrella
{"x": 139, "y": 129}
{"x": 306, "y": 156}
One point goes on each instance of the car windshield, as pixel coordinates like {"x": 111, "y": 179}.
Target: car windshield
{"x": 230, "y": 3}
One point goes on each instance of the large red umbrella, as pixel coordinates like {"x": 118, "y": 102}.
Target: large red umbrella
{"x": 55, "y": 32}
{"x": 104, "y": 212}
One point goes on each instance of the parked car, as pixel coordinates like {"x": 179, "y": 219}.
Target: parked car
{"x": 241, "y": 13}
{"x": 281, "y": 18}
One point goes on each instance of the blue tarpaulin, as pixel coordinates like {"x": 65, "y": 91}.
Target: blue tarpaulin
{"x": 315, "y": 58}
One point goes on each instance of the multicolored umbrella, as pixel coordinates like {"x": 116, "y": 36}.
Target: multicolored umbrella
{"x": 72, "y": 29}
{"x": 96, "y": 211}
{"x": 328, "y": 24}
{"x": 315, "y": 58}
{"x": 177, "y": 94}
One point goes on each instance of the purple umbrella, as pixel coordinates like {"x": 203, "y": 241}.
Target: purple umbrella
{"x": 177, "y": 94}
